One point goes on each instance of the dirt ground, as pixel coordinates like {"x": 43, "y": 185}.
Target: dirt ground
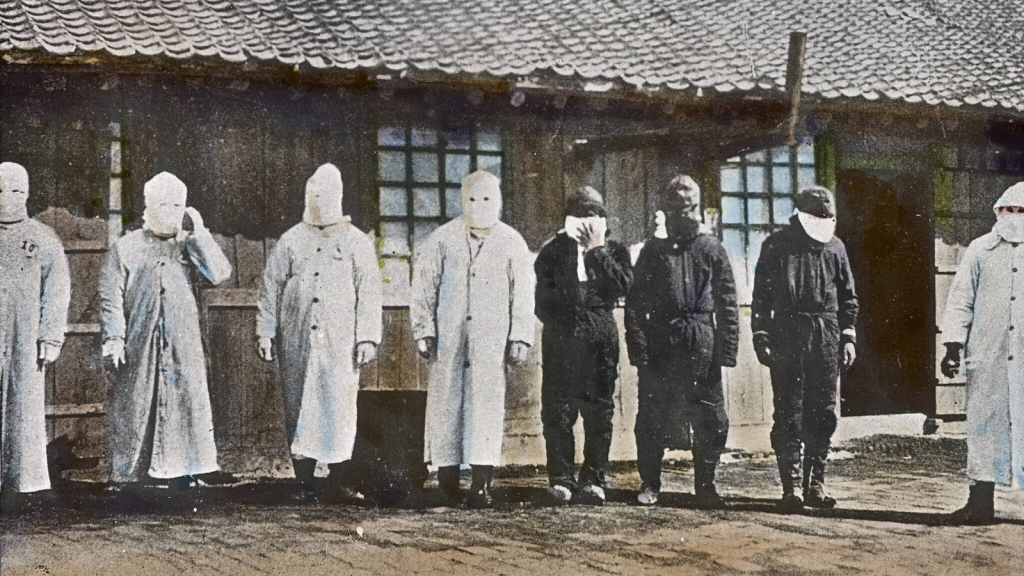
{"x": 894, "y": 497}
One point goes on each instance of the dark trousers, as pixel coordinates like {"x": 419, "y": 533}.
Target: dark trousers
{"x": 580, "y": 369}
{"x": 672, "y": 397}
{"x": 805, "y": 373}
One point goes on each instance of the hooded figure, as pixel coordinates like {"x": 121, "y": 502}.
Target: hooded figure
{"x": 472, "y": 310}
{"x": 35, "y": 290}
{"x": 320, "y": 307}
{"x": 804, "y": 308}
{"x": 682, "y": 325}
{"x": 985, "y": 317}
{"x": 159, "y": 418}
{"x": 580, "y": 278}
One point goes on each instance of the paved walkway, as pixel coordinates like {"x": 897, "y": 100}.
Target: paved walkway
{"x": 893, "y": 498}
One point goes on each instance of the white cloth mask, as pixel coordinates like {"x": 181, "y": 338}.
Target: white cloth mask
{"x": 481, "y": 200}
{"x": 13, "y": 192}
{"x": 820, "y": 229}
{"x": 165, "y": 204}
{"x": 1010, "y": 227}
{"x": 324, "y": 192}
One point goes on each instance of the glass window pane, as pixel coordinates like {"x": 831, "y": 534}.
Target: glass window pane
{"x": 426, "y": 201}
{"x": 780, "y": 155}
{"x": 783, "y": 207}
{"x": 782, "y": 180}
{"x": 391, "y": 136}
{"x": 730, "y": 179}
{"x": 393, "y": 202}
{"x": 756, "y": 238}
{"x": 805, "y": 154}
{"x": 392, "y": 166}
{"x": 453, "y": 202}
{"x": 423, "y": 229}
{"x": 755, "y": 179}
{"x": 488, "y": 139}
{"x": 757, "y": 211}
{"x": 455, "y": 167}
{"x": 805, "y": 176}
{"x": 491, "y": 164}
{"x": 735, "y": 242}
{"x": 732, "y": 210}
{"x": 395, "y": 239}
{"x": 424, "y": 137}
{"x": 457, "y": 139}
{"x": 758, "y": 156}
{"x": 424, "y": 167}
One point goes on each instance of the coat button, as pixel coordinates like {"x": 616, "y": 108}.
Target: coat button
{"x": 1010, "y": 358}
{"x": 163, "y": 290}
{"x": 1014, "y": 269}
{"x": 469, "y": 317}
{"x": 316, "y": 273}
{"x": 466, "y": 364}
{"x": 319, "y": 249}
{"x": 315, "y": 300}
{"x": 313, "y": 327}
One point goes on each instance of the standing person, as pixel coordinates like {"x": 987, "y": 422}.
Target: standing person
{"x": 682, "y": 326}
{"x": 804, "y": 309}
{"x": 472, "y": 311}
{"x": 985, "y": 318}
{"x": 580, "y": 277}
{"x": 159, "y": 418}
{"x": 35, "y": 291}
{"x": 320, "y": 306}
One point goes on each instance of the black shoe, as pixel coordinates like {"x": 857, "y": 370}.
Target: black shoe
{"x": 307, "y": 494}
{"x": 707, "y": 498}
{"x": 980, "y": 508}
{"x": 790, "y": 503}
{"x": 479, "y": 499}
{"x": 448, "y": 482}
{"x": 591, "y": 495}
{"x": 816, "y": 497}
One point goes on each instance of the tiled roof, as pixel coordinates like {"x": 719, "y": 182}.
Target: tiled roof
{"x": 950, "y": 52}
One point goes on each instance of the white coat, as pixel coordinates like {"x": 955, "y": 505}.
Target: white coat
{"x": 35, "y": 289}
{"x": 321, "y": 296}
{"x": 474, "y": 302}
{"x": 985, "y": 312}
{"x": 158, "y": 412}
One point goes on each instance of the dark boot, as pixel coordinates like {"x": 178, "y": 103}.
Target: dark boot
{"x": 980, "y": 507}
{"x": 448, "y": 482}
{"x": 705, "y": 494}
{"x": 341, "y": 485}
{"x": 814, "y": 485}
{"x": 789, "y": 473}
{"x": 305, "y": 469}
{"x": 480, "y": 491}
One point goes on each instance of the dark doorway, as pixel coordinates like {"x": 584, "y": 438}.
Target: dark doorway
{"x": 885, "y": 224}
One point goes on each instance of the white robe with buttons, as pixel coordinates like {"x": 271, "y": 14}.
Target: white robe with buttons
{"x": 985, "y": 311}
{"x": 474, "y": 298}
{"x": 321, "y": 296}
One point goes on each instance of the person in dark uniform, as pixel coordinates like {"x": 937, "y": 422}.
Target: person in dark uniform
{"x": 804, "y": 310}
{"x": 580, "y": 277}
{"x": 682, "y": 326}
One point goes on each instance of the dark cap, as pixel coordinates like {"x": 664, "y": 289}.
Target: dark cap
{"x": 682, "y": 191}
{"x": 816, "y": 201}
{"x": 586, "y": 202}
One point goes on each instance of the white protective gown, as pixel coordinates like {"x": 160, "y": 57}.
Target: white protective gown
{"x": 158, "y": 412}
{"x": 474, "y": 301}
{"x": 35, "y": 289}
{"x": 985, "y": 311}
{"x": 321, "y": 296}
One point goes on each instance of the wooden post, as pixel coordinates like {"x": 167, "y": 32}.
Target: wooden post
{"x": 795, "y": 81}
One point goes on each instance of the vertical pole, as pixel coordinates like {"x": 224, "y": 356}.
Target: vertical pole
{"x": 795, "y": 81}
{"x": 114, "y": 225}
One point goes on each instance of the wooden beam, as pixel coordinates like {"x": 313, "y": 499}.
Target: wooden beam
{"x": 231, "y": 297}
{"x": 76, "y": 329}
{"x": 795, "y": 81}
{"x": 74, "y": 410}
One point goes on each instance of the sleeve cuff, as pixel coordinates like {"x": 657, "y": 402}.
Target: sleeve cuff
{"x": 849, "y": 335}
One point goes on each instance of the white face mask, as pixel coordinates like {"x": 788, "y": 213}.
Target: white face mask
{"x": 324, "y": 191}
{"x": 13, "y": 192}
{"x": 1010, "y": 227}
{"x": 165, "y": 204}
{"x": 820, "y": 229}
{"x": 481, "y": 203}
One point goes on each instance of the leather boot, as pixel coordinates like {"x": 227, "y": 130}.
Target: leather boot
{"x": 789, "y": 473}
{"x": 814, "y": 485}
{"x": 341, "y": 482}
{"x": 705, "y": 494}
{"x": 480, "y": 490}
{"x": 980, "y": 507}
{"x": 305, "y": 469}
{"x": 448, "y": 482}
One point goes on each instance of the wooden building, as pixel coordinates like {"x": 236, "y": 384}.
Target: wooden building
{"x": 911, "y": 110}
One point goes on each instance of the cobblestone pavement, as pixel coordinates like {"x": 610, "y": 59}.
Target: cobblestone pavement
{"x": 894, "y": 495}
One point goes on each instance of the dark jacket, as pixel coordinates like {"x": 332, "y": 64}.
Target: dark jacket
{"x": 799, "y": 277}
{"x": 565, "y": 303}
{"x": 683, "y": 302}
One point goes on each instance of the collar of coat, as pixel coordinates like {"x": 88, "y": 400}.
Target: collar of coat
{"x": 993, "y": 240}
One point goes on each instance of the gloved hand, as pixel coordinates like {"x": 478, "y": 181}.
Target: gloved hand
{"x": 48, "y": 353}
{"x": 517, "y": 352}
{"x": 365, "y": 353}
{"x": 849, "y": 354}
{"x": 427, "y": 347}
{"x": 113, "y": 350}
{"x": 265, "y": 348}
{"x": 951, "y": 362}
{"x": 762, "y": 349}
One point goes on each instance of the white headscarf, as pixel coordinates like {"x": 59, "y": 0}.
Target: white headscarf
{"x": 1010, "y": 226}
{"x": 13, "y": 207}
{"x": 164, "y": 188}
{"x": 481, "y": 200}
{"x": 324, "y": 191}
